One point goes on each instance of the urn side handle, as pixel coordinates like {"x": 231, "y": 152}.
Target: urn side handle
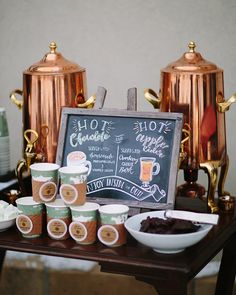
{"x": 15, "y": 100}
{"x": 89, "y": 103}
{"x": 225, "y": 105}
{"x": 152, "y": 97}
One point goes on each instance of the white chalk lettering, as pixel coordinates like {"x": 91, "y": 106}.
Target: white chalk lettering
{"x": 105, "y": 124}
{"x": 112, "y": 182}
{"x": 79, "y": 139}
{"x": 142, "y": 126}
{"x": 160, "y": 127}
{"x": 98, "y": 184}
{"x": 154, "y": 145}
{"x": 80, "y": 126}
{"x": 128, "y": 158}
{"x": 152, "y": 125}
{"x": 126, "y": 170}
{"x": 94, "y": 124}
{"x": 101, "y": 156}
{"x": 72, "y": 140}
{"x": 149, "y": 141}
{"x": 135, "y": 191}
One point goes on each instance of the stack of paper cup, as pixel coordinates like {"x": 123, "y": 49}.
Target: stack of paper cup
{"x": 4, "y": 144}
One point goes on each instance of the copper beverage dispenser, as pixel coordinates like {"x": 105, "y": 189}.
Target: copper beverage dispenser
{"x": 48, "y": 85}
{"x": 195, "y": 87}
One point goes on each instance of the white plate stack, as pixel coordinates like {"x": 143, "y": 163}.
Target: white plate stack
{"x": 4, "y": 144}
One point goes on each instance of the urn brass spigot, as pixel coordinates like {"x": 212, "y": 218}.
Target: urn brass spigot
{"x": 186, "y": 135}
{"x": 30, "y": 157}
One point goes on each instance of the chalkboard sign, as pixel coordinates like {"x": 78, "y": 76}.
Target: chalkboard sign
{"x": 133, "y": 155}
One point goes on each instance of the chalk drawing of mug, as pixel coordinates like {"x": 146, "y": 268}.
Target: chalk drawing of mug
{"x": 78, "y": 158}
{"x": 147, "y": 166}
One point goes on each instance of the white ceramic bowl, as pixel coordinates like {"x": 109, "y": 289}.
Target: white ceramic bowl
{"x": 164, "y": 243}
{"x": 5, "y": 224}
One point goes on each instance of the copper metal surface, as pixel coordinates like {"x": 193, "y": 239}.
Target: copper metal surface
{"x": 195, "y": 87}
{"x": 48, "y": 85}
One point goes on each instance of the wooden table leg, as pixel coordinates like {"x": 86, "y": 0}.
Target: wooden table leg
{"x": 227, "y": 272}
{"x": 2, "y": 256}
{"x": 174, "y": 286}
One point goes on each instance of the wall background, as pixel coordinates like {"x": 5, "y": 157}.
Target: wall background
{"x": 121, "y": 43}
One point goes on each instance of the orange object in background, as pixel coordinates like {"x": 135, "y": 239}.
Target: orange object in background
{"x": 48, "y": 85}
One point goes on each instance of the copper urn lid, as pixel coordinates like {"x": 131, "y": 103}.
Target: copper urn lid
{"x": 192, "y": 62}
{"x": 53, "y": 62}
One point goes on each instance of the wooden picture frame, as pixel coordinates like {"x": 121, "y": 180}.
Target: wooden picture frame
{"x": 123, "y": 147}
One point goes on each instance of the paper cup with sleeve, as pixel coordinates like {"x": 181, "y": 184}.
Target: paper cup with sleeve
{"x": 112, "y": 231}
{"x": 30, "y": 219}
{"x": 58, "y": 220}
{"x": 44, "y": 181}
{"x": 73, "y": 184}
{"x": 83, "y": 228}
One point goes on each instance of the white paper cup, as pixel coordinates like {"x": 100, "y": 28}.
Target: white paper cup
{"x": 112, "y": 231}
{"x": 73, "y": 184}
{"x": 44, "y": 181}
{"x": 58, "y": 220}
{"x": 30, "y": 219}
{"x": 83, "y": 228}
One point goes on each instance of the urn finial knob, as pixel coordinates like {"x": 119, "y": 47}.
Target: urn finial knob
{"x": 191, "y": 46}
{"x": 53, "y": 47}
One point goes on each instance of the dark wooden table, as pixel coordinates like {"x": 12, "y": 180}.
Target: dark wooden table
{"x": 169, "y": 274}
